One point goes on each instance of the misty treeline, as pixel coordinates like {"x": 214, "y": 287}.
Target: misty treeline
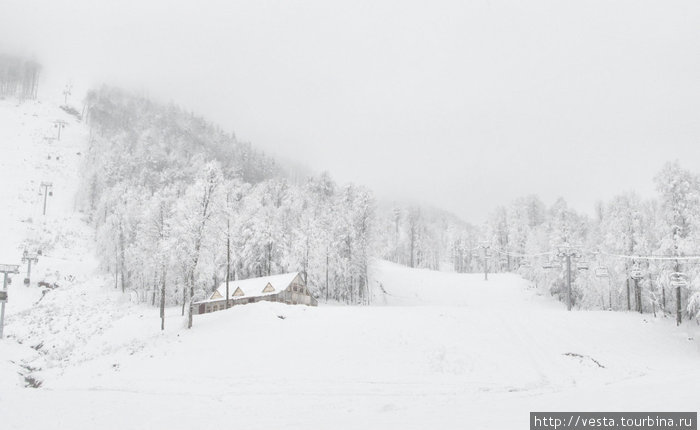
{"x": 426, "y": 237}
{"x": 19, "y": 77}
{"x": 179, "y": 205}
{"x": 665, "y": 226}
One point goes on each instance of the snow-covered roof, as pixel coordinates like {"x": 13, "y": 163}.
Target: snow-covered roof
{"x": 253, "y": 287}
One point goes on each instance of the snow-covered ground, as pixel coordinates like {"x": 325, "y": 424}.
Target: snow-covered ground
{"x": 457, "y": 362}
{"x": 439, "y": 350}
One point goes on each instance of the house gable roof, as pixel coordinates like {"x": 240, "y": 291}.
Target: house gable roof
{"x": 254, "y": 287}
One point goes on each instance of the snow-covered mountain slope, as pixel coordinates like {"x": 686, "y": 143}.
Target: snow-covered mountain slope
{"x": 45, "y": 324}
{"x": 483, "y": 353}
{"x": 440, "y": 350}
{"x": 32, "y": 155}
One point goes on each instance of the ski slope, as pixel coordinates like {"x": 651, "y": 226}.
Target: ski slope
{"x": 438, "y": 350}
{"x": 456, "y": 363}
{"x": 28, "y": 159}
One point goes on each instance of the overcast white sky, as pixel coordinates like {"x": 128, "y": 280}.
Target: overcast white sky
{"x": 463, "y": 105}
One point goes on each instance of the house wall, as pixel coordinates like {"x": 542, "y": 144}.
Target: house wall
{"x": 295, "y": 294}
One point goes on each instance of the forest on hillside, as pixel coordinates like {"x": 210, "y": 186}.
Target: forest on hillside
{"x": 19, "y": 77}
{"x": 180, "y": 205}
{"x": 655, "y": 240}
{"x": 628, "y": 257}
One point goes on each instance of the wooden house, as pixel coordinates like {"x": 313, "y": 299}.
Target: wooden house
{"x": 287, "y": 288}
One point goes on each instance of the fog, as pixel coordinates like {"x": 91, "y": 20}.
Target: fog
{"x": 461, "y": 105}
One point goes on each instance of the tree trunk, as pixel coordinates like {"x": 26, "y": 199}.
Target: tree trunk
{"x": 162, "y": 301}
{"x": 360, "y": 286}
{"x": 189, "y": 308}
{"x": 228, "y": 262}
{"x": 663, "y": 298}
{"x": 121, "y": 256}
{"x": 269, "y": 258}
{"x": 155, "y": 287}
{"x": 116, "y": 267}
{"x": 326, "y": 274}
{"x": 306, "y": 261}
{"x": 369, "y": 292}
{"x": 486, "y": 264}
{"x": 189, "y": 302}
{"x": 651, "y": 288}
{"x": 679, "y": 317}
{"x": 629, "y": 303}
{"x": 413, "y": 244}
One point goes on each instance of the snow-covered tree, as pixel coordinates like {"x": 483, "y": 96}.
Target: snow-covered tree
{"x": 192, "y": 222}
{"x": 679, "y": 192}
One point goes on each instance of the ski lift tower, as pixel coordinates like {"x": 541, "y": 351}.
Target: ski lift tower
{"x": 59, "y": 124}
{"x": 29, "y": 258}
{"x": 636, "y": 274}
{"x": 678, "y": 280}
{"x": 5, "y": 269}
{"x": 486, "y": 247}
{"x": 568, "y": 252}
{"x": 47, "y": 192}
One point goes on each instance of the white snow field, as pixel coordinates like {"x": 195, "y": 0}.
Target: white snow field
{"x": 436, "y": 350}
